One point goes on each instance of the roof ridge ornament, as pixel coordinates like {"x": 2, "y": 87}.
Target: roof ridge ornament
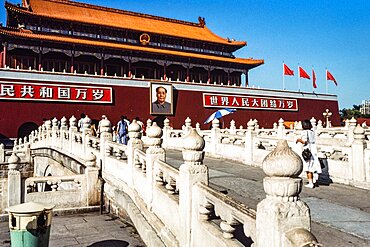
{"x": 202, "y": 21}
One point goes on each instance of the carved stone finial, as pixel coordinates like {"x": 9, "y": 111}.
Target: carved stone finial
{"x": 313, "y": 122}
{"x": 281, "y": 122}
{"x": 63, "y": 122}
{"x": 55, "y": 122}
{"x": 134, "y": 129}
{"x": 148, "y": 123}
{"x": 352, "y": 122}
{"x": 86, "y": 122}
{"x": 187, "y": 122}
{"x": 90, "y": 160}
{"x": 105, "y": 125}
{"x": 319, "y": 124}
{"x": 73, "y": 121}
{"x": 166, "y": 123}
{"x": 193, "y": 145}
{"x": 251, "y": 124}
{"x": 359, "y": 133}
{"x": 154, "y": 133}
{"x": 48, "y": 124}
{"x": 215, "y": 123}
{"x": 282, "y": 162}
{"x": 232, "y": 124}
{"x": 13, "y": 161}
{"x": 193, "y": 141}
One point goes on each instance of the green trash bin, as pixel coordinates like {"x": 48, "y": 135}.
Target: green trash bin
{"x": 29, "y": 224}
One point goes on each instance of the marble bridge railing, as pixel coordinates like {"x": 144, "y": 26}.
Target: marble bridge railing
{"x": 176, "y": 207}
{"x": 345, "y": 151}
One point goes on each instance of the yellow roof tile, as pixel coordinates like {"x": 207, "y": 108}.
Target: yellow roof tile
{"x": 73, "y": 40}
{"x": 102, "y": 16}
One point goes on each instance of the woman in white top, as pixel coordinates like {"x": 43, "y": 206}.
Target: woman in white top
{"x": 311, "y": 165}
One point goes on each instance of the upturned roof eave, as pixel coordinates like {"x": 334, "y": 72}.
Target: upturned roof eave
{"x": 13, "y": 32}
{"x": 233, "y": 45}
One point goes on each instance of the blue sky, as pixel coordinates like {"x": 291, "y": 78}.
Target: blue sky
{"x": 333, "y": 34}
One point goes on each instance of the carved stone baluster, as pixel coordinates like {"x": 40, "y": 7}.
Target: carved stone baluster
{"x": 109, "y": 150}
{"x": 159, "y": 178}
{"x": 138, "y": 161}
{"x": 228, "y": 228}
{"x": 117, "y": 153}
{"x": 206, "y": 211}
{"x": 77, "y": 184}
{"x": 171, "y": 186}
{"x": 54, "y": 184}
{"x": 143, "y": 167}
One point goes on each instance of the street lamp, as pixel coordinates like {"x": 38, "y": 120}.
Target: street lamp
{"x": 327, "y": 114}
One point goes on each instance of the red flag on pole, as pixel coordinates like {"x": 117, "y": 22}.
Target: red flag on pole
{"x": 303, "y": 73}
{"x": 330, "y": 77}
{"x": 287, "y": 70}
{"x": 314, "y": 79}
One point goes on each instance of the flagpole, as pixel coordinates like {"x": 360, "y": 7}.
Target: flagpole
{"x": 283, "y": 77}
{"x": 299, "y": 81}
{"x": 313, "y": 88}
{"x": 326, "y": 79}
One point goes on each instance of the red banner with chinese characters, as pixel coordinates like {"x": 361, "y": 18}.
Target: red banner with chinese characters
{"x": 249, "y": 102}
{"x": 55, "y": 92}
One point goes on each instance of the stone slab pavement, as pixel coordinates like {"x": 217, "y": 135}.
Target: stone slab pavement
{"x": 340, "y": 214}
{"x": 90, "y": 229}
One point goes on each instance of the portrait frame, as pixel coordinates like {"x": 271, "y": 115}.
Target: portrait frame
{"x": 153, "y": 104}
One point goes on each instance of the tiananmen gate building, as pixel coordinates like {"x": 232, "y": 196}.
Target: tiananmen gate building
{"x": 61, "y": 58}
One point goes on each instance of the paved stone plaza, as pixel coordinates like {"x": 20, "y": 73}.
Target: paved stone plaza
{"x": 90, "y": 229}
{"x": 340, "y": 214}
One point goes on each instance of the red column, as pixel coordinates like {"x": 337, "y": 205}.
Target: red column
{"x": 102, "y": 65}
{"x": 72, "y": 62}
{"x": 1, "y": 59}
{"x": 40, "y": 62}
{"x": 164, "y": 72}
{"x": 129, "y": 68}
{"x": 3, "y": 64}
{"x": 228, "y": 77}
{"x": 209, "y": 75}
{"x": 187, "y": 74}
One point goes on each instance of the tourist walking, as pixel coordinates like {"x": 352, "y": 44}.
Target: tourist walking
{"x": 311, "y": 163}
{"x": 80, "y": 122}
{"x": 122, "y": 131}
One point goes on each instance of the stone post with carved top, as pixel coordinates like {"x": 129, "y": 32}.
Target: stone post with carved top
{"x": 166, "y": 132}
{"x": 282, "y": 218}
{"x": 105, "y": 135}
{"x": 191, "y": 172}
{"x": 153, "y": 153}
{"x": 249, "y": 141}
{"x": 134, "y": 142}
{"x": 14, "y": 181}
{"x": 72, "y": 130}
{"x": 215, "y": 132}
{"x": 358, "y": 152}
{"x": 92, "y": 180}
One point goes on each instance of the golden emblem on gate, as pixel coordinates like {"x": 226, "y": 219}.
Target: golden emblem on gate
{"x": 144, "y": 39}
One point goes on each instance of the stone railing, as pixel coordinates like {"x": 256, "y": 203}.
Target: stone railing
{"x": 251, "y": 146}
{"x": 177, "y": 204}
{"x": 70, "y": 182}
{"x": 63, "y": 192}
